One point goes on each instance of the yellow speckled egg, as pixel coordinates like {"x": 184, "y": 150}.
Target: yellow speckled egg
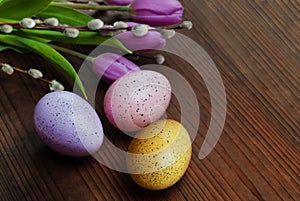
{"x": 159, "y": 154}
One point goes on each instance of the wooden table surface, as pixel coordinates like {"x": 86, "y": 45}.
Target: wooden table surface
{"x": 256, "y": 48}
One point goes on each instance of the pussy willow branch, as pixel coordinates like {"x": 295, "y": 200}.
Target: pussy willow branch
{"x": 26, "y": 72}
{"x": 42, "y": 26}
{"x": 61, "y": 28}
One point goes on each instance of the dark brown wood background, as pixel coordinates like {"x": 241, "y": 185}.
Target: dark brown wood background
{"x": 256, "y": 47}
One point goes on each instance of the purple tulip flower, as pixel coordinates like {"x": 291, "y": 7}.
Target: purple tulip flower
{"x": 118, "y": 2}
{"x": 157, "y": 12}
{"x": 110, "y": 67}
{"x": 153, "y": 40}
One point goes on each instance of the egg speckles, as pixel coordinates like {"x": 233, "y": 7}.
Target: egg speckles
{"x": 137, "y": 99}
{"x": 68, "y": 124}
{"x": 159, "y": 154}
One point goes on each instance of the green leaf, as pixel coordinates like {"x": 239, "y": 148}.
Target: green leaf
{"x": 18, "y": 9}
{"x": 66, "y": 15}
{"x": 84, "y": 38}
{"x": 8, "y": 20}
{"x": 47, "y": 52}
{"x": 16, "y": 49}
{"x": 33, "y": 37}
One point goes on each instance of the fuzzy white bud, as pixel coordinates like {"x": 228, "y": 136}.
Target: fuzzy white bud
{"x": 95, "y": 24}
{"x": 6, "y": 68}
{"x": 56, "y": 86}
{"x": 107, "y": 32}
{"x": 159, "y": 59}
{"x": 186, "y": 25}
{"x": 91, "y": 11}
{"x": 38, "y": 21}
{"x": 120, "y": 24}
{"x": 6, "y": 28}
{"x": 71, "y": 32}
{"x": 27, "y": 23}
{"x": 140, "y": 30}
{"x": 168, "y": 33}
{"x": 94, "y": 2}
{"x": 52, "y": 21}
{"x": 35, "y": 73}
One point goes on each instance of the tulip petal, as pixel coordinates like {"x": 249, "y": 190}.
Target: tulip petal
{"x": 157, "y": 12}
{"x": 110, "y": 67}
{"x": 151, "y": 41}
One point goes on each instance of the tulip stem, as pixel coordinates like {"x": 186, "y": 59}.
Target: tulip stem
{"x": 72, "y": 52}
{"x": 91, "y": 6}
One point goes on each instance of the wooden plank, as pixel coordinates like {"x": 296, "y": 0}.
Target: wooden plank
{"x": 255, "y": 46}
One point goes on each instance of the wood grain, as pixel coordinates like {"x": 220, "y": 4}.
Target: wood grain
{"x": 255, "y": 46}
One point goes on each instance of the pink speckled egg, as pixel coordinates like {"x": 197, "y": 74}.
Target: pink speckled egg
{"x": 68, "y": 124}
{"x": 137, "y": 99}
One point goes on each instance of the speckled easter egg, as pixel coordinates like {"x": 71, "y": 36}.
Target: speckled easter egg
{"x": 68, "y": 124}
{"x": 137, "y": 99}
{"x": 159, "y": 155}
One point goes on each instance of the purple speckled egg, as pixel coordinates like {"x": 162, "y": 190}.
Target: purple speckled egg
{"x": 68, "y": 124}
{"x": 137, "y": 99}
